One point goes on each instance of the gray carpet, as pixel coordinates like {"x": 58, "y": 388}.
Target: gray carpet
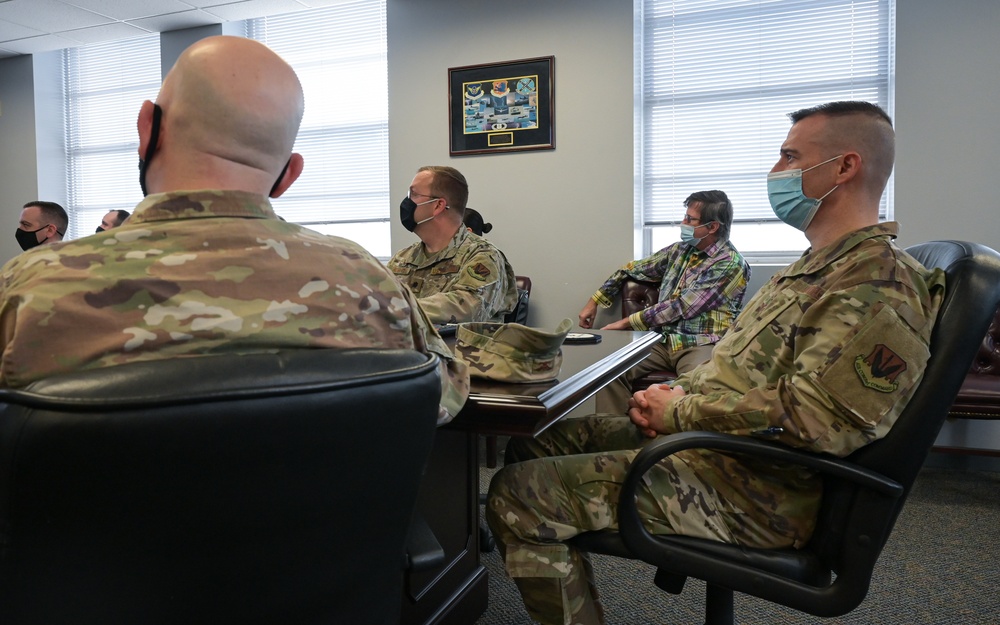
{"x": 940, "y": 566}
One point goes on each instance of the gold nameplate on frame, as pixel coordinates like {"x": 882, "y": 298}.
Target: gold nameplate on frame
{"x": 500, "y": 138}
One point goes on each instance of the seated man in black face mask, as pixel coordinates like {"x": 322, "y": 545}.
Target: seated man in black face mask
{"x": 41, "y": 223}
{"x": 456, "y": 277}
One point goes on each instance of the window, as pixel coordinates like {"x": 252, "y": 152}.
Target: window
{"x": 717, "y": 78}
{"x": 103, "y": 87}
{"x": 339, "y": 54}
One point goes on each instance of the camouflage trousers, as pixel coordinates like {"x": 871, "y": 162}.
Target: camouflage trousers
{"x": 613, "y": 398}
{"x": 567, "y": 482}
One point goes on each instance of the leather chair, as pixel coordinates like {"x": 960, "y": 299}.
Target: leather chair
{"x": 863, "y": 493}
{"x": 639, "y": 295}
{"x": 979, "y": 397}
{"x": 265, "y": 488}
{"x": 520, "y": 312}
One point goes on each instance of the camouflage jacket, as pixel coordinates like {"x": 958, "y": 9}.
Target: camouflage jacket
{"x": 469, "y": 280}
{"x": 202, "y": 272}
{"x": 823, "y": 358}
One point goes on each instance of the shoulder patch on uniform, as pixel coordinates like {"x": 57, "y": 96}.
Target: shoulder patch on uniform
{"x": 879, "y": 369}
{"x": 480, "y": 272}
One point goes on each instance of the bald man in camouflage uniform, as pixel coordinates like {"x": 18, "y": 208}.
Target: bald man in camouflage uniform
{"x": 456, "y": 275}
{"x": 205, "y": 271}
{"x": 823, "y": 358}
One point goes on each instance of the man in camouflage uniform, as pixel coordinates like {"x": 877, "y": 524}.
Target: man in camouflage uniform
{"x": 457, "y": 276}
{"x": 204, "y": 265}
{"x": 823, "y": 358}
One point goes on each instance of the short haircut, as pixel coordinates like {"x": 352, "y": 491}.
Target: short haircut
{"x": 861, "y": 127}
{"x": 841, "y": 108}
{"x": 475, "y": 221}
{"x": 121, "y": 216}
{"x": 449, "y": 183}
{"x": 53, "y": 213}
{"x": 715, "y": 206}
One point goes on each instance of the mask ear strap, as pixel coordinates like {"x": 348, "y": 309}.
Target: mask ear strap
{"x": 284, "y": 170}
{"x": 154, "y": 133}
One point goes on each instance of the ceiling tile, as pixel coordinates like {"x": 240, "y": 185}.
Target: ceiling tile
{"x": 105, "y": 32}
{"x": 48, "y": 16}
{"x": 43, "y": 43}
{"x": 9, "y": 30}
{"x": 130, "y": 9}
{"x": 175, "y": 21}
{"x": 249, "y": 9}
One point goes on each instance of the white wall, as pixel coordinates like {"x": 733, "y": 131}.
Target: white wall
{"x": 18, "y": 166}
{"x": 563, "y": 217}
{"x": 948, "y": 138}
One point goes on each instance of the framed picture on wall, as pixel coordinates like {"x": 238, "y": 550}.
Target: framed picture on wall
{"x": 502, "y": 107}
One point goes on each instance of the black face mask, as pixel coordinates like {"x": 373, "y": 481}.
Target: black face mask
{"x": 406, "y": 210}
{"x": 28, "y": 239}
{"x": 154, "y": 138}
{"x": 99, "y": 230}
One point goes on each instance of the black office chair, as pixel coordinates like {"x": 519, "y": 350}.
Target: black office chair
{"x": 266, "y": 488}
{"x": 520, "y": 312}
{"x": 863, "y": 493}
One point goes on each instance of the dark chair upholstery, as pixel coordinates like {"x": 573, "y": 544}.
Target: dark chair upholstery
{"x": 266, "y": 488}
{"x": 863, "y": 494}
{"x": 520, "y": 312}
{"x": 639, "y": 295}
{"x": 979, "y": 397}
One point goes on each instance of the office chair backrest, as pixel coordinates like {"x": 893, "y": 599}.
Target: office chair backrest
{"x": 265, "y": 488}
{"x": 972, "y": 295}
{"x": 520, "y": 312}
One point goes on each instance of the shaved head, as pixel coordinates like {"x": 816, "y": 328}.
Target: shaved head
{"x": 859, "y": 127}
{"x": 233, "y": 105}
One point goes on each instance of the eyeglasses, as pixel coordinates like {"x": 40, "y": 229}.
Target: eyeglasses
{"x": 413, "y": 194}
{"x": 689, "y": 219}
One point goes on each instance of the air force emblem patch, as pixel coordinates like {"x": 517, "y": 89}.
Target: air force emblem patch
{"x": 879, "y": 369}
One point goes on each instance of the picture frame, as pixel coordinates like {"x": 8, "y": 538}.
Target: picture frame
{"x": 502, "y": 107}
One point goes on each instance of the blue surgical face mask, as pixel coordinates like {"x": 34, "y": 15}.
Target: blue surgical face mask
{"x": 789, "y": 203}
{"x": 687, "y": 234}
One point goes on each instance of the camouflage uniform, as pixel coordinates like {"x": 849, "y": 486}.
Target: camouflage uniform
{"x": 830, "y": 351}
{"x": 203, "y": 272}
{"x": 469, "y": 280}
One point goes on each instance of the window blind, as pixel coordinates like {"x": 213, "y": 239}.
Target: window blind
{"x": 719, "y": 76}
{"x": 339, "y": 54}
{"x": 103, "y": 87}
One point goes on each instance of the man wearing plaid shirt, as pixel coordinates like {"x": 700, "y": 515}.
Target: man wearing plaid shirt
{"x": 703, "y": 279}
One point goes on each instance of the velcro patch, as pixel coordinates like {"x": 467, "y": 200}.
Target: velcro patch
{"x": 480, "y": 272}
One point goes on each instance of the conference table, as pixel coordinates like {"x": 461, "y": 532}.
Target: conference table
{"x": 456, "y": 593}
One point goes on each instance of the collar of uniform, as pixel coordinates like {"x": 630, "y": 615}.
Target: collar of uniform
{"x": 202, "y": 204}
{"x": 812, "y": 261}
{"x": 423, "y": 258}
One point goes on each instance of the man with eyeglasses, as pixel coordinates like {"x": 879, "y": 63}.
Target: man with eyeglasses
{"x": 41, "y": 223}
{"x": 702, "y": 279}
{"x": 456, "y": 276}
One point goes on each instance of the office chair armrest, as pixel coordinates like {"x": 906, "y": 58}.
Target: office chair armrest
{"x": 636, "y": 537}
